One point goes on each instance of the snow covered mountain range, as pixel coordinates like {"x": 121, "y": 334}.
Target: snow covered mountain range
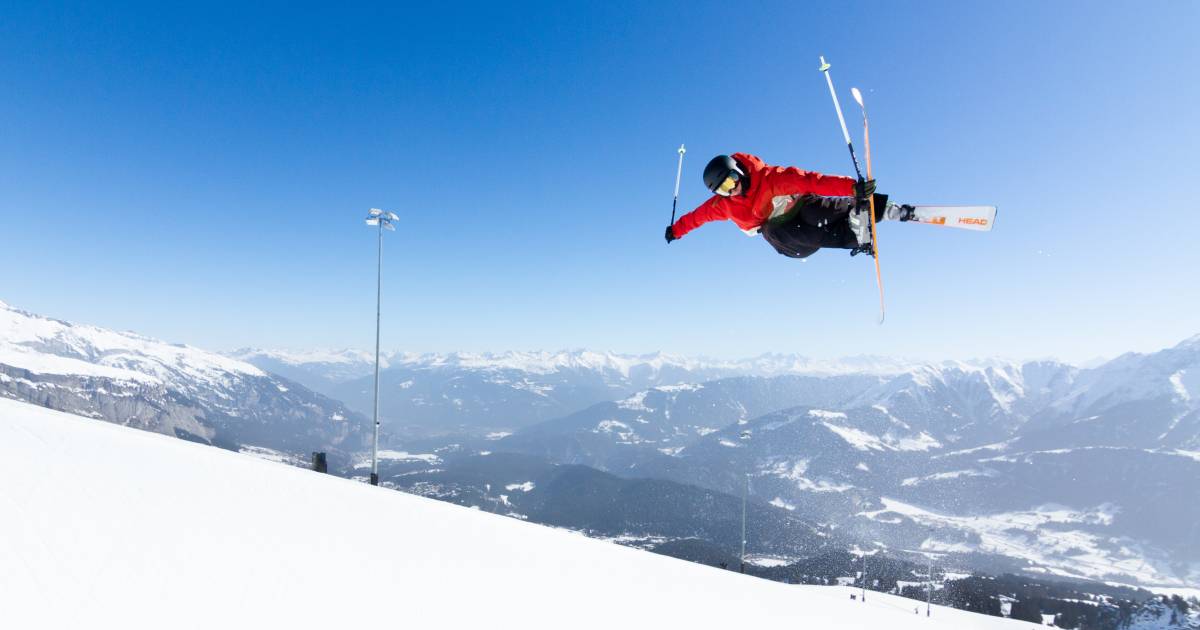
{"x": 1040, "y": 467}
{"x": 168, "y": 388}
{"x": 483, "y": 393}
{"x": 341, "y": 365}
{"x": 1067, "y": 472}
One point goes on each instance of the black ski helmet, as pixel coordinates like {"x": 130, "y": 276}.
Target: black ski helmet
{"x": 719, "y": 168}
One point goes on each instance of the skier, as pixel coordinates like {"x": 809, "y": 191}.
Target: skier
{"x": 797, "y": 212}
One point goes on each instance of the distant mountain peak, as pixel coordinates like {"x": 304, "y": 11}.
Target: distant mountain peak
{"x": 51, "y": 346}
{"x": 170, "y": 388}
{"x": 317, "y": 356}
{"x": 1192, "y": 342}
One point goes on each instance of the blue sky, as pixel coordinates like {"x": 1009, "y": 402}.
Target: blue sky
{"x": 199, "y": 174}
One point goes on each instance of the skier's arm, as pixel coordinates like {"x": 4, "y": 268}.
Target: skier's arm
{"x": 793, "y": 181}
{"x": 712, "y": 210}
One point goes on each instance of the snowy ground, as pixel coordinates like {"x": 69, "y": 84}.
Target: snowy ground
{"x": 1050, "y": 538}
{"x": 105, "y": 526}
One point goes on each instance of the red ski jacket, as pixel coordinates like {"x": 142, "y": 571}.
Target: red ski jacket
{"x": 751, "y": 208}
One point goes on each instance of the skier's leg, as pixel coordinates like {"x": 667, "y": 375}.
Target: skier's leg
{"x": 824, "y": 220}
{"x": 855, "y": 217}
{"x": 813, "y": 223}
{"x": 791, "y": 238}
{"x": 817, "y": 221}
{"x": 839, "y": 235}
{"x": 819, "y": 211}
{"x": 843, "y": 222}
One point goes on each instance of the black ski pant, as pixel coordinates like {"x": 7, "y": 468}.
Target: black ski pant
{"x": 812, "y": 223}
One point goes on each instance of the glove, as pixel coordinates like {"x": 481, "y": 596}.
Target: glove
{"x": 671, "y": 234}
{"x": 863, "y": 189}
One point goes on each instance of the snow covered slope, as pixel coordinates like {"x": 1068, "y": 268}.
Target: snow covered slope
{"x": 216, "y": 539}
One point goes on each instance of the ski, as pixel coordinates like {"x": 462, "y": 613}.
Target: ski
{"x": 874, "y": 232}
{"x": 978, "y": 218}
{"x": 872, "y": 247}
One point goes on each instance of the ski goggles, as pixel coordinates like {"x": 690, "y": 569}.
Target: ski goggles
{"x": 727, "y": 186}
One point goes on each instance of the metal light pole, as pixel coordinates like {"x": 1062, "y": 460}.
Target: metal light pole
{"x": 745, "y": 437}
{"x": 745, "y": 490}
{"x": 381, "y": 220}
{"x": 929, "y": 587}
{"x": 864, "y": 576}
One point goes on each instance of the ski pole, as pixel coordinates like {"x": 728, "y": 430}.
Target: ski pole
{"x": 841, "y": 119}
{"x": 678, "y": 173}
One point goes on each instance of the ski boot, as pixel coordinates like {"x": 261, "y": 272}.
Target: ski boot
{"x": 888, "y": 211}
{"x": 894, "y": 212}
{"x": 859, "y": 221}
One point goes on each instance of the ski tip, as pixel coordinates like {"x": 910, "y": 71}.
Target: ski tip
{"x": 857, "y": 95}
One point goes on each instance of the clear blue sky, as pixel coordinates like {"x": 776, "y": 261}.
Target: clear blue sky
{"x": 199, "y": 174}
